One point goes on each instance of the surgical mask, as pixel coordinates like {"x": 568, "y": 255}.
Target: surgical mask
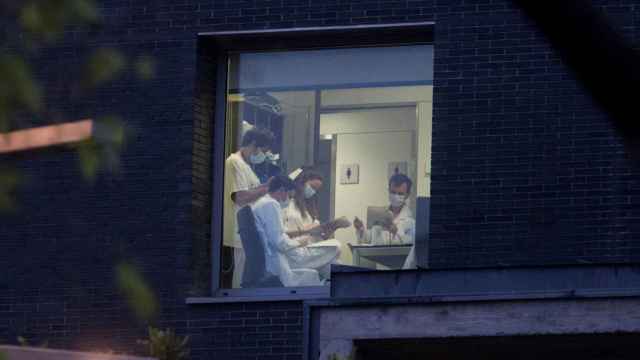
{"x": 285, "y": 204}
{"x": 257, "y": 158}
{"x": 308, "y": 191}
{"x": 396, "y": 200}
{"x": 272, "y": 157}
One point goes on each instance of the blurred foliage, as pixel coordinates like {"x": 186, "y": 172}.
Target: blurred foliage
{"x": 102, "y": 152}
{"x": 338, "y": 357}
{"x": 137, "y": 293}
{"x": 24, "y": 342}
{"x": 18, "y": 89}
{"x": 30, "y": 26}
{"x": 45, "y": 19}
{"x": 145, "y": 67}
{"x": 9, "y": 180}
{"x": 166, "y": 345}
{"x": 3, "y": 356}
{"x": 104, "y": 65}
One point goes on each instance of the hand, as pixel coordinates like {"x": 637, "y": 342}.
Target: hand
{"x": 392, "y": 228}
{"x": 316, "y": 230}
{"x": 357, "y": 223}
{"x": 304, "y": 242}
{"x": 268, "y": 181}
{"x": 328, "y": 232}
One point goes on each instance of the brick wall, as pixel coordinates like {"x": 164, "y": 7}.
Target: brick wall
{"x": 525, "y": 170}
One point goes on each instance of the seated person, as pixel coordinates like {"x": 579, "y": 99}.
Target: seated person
{"x": 402, "y": 228}
{"x": 301, "y": 222}
{"x": 278, "y": 245}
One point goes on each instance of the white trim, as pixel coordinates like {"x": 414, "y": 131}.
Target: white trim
{"x": 316, "y": 29}
{"x": 263, "y": 295}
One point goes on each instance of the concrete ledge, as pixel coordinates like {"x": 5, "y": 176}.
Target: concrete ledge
{"x": 28, "y": 353}
{"x": 488, "y": 283}
{"x": 343, "y": 325}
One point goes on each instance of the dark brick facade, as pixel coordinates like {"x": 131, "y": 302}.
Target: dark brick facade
{"x": 526, "y": 170}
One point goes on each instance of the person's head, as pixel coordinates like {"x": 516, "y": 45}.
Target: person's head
{"x": 308, "y": 183}
{"x": 399, "y": 189}
{"x": 255, "y": 143}
{"x": 280, "y": 188}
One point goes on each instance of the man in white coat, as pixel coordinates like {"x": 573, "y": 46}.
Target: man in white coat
{"x": 402, "y": 228}
{"x": 277, "y": 244}
{"x": 242, "y": 187}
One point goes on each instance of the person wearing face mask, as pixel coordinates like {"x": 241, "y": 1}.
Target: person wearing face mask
{"x": 267, "y": 212}
{"x": 402, "y": 228}
{"x": 242, "y": 187}
{"x": 301, "y": 221}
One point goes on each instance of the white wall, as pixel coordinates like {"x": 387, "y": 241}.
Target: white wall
{"x": 377, "y": 96}
{"x": 373, "y": 152}
{"x": 423, "y": 178}
{"x": 420, "y": 96}
{"x": 371, "y": 120}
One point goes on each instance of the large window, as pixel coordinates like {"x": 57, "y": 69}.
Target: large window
{"x": 327, "y": 156}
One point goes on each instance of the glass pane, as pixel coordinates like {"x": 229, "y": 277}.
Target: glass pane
{"x": 328, "y": 154}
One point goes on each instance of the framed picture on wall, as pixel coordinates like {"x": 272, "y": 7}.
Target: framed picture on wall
{"x": 349, "y": 174}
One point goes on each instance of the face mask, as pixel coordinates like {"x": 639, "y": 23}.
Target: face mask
{"x": 308, "y": 191}
{"x": 257, "y": 158}
{"x": 285, "y": 204}
{"x": 272, "y": 157}
{"x": 396, "y": 200}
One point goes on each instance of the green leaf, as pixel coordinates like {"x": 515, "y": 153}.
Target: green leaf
{"x": 3, "y": 355}
{"x": 137, "y": 293}
{"x": 46, "y": 20}
{"x": 22, "y": 341}
{"x": 145, "y": 68}
{"x": 103, "y": 151}
{"x": 9, "y": 181}
{"x": 31, "y": 17}
{"x": 103, "y": 66}
{"x": 89, "y": 156}
{"x": 166, "y": 345}
{"x": 84, "y": 10}
{"x": 18, "y": 89}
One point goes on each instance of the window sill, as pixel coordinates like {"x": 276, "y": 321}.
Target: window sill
{"x": 262, "y": 295}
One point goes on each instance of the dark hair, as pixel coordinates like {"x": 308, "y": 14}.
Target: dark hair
{"x": 259, "y": 137}
{"x": 281, "y": 182}
{"x": 307, "y": 206}
{"x": 399, "y": 179}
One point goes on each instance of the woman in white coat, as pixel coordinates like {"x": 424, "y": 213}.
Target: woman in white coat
{"x": 301, "y": 222}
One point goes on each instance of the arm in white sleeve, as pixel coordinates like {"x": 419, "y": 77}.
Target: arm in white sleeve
{"x": 272, "y": 219}
{"x": 407, "y": 231}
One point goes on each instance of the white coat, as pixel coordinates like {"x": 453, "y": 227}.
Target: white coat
{"x": 277, "y": 244}
{"x": 404, "y": 222}
{"x": 238, "y": 176}
{"x": 320, "y": 255}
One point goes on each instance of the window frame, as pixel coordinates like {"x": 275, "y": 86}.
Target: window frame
{"x": 222, "y": 44}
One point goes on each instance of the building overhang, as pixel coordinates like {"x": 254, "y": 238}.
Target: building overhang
{"x": 368, "y": 306}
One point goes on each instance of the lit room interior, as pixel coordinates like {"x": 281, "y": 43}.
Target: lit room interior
{"x": 356, "y": 116}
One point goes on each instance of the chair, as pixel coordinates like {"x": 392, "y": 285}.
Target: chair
{"x": 255, "y": 271}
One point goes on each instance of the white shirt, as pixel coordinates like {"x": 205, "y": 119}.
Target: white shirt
{"x": 294, "y": 221}
{"x": 269, "y": 223}
{"x": 404, "y": 222}
{"x": 238, "y": 176}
